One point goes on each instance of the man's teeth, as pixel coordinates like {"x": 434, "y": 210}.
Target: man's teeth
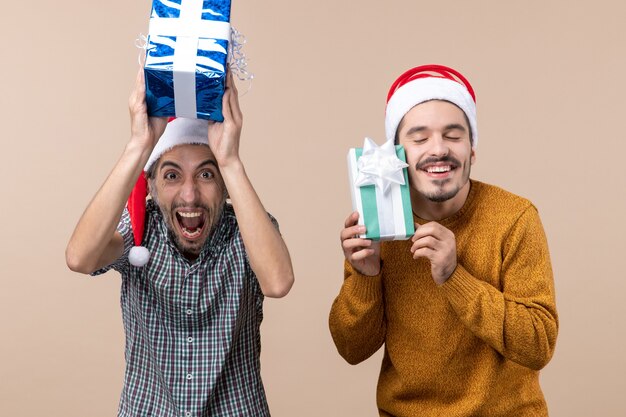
{"x": 438, "y": 169}
{"x": 185, "y": 214}
{"x": 190, "y": 234}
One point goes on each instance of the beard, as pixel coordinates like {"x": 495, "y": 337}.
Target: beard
{"x": 190, "y": 249}
{"x": 440, "y": 194}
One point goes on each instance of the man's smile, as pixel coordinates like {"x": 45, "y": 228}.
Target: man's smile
{"x": 439, "y": 169}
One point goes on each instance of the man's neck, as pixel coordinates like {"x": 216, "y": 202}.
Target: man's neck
{"x": 434, "y": 211}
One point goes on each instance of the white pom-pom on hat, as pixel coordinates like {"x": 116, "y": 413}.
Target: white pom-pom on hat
{"x": 138, "y": 256}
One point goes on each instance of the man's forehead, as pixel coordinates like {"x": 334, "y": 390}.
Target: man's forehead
{"x": 188, "y": 153}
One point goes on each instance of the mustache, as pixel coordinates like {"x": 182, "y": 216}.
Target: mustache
{"x": 434, "y": 160}
{"x": 201, "y": 206}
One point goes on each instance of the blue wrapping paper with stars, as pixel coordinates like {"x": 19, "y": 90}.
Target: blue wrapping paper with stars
{"x": 186, "y": 58}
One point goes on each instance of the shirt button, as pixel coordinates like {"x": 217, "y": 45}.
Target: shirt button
{"x": 190, "y": 339}
{"x": 188, "y": 414}
{"x": 189, "y": 376}
{"x": 189, "y": 312}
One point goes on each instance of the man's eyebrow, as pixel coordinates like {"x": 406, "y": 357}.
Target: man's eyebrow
{"x": 415, "y": 129}
{"x": 209, "y": 161}
{"x": 169, "y": 163}
{"x": 175, "y": 165}
{"x": 453, "y": 126}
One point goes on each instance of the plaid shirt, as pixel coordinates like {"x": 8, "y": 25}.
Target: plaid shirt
{"x": 192, "y": 330}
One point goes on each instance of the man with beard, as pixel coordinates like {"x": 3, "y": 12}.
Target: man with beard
{"x": 192, "y": 299}
{"x": 465, "y": 308}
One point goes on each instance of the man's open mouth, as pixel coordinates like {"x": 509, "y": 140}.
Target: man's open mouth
{"x": 191, "y": 223}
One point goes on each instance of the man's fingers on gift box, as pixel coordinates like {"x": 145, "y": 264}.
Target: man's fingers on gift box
{"x": 137, "y": 98}
{"x": 140, "y": 85}
{"x": 230, "y": 108}
{"x": 431, "y": 229}
{"x": 426, "y": 242}
{"x": 426, "y": 246}
{"x": 363, "y": 254}
{"x": 234, "y": 109}
{"x": 352, "y": 232}
{"x": 352, "y": 219}
{"x": 139, "y": 77}
{"x": 424, "y": 253}
{"x": 356, "y": 244}
{"x": 230, "y": 81}
{"x": 233, "y": 98}
{"x": 226, "y": 111}
{"x": 159, "y": 124}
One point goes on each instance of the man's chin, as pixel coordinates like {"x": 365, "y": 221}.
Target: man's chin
{"x": 190, "y": 251}
{"x": 189, "y": 248}
{"x": 440, "y": 198}
{"x": 440, "y": 195}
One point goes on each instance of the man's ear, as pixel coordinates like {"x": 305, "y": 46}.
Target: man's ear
{"x": 150, "y": 185}
{"x": 473, "y": 156}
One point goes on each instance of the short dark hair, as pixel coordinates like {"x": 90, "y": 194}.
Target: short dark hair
{"x": 151, "y": 172}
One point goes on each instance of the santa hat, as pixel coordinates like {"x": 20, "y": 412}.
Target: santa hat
{"x": 179, "y": 131}
{"x": 429, "y": 82}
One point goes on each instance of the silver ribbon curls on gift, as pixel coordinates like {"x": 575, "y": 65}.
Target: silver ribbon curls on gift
{"x": 380, "y": 166}
{"x": 237, "y": 60}
{"x": 142, "y": 43}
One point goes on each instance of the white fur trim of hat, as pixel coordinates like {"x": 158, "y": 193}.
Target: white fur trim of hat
{"x": 180, "y": 131}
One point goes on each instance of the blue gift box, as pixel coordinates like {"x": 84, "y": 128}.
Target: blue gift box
{"x": 186, "y": 58}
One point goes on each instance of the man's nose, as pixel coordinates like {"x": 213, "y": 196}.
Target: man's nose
{"x": 439, "y": 147}
{"x": 189, "y": 191}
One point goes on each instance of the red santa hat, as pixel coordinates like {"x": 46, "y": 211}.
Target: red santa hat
{"x": 429, "y": 82}
{"x": 179, "y": 131}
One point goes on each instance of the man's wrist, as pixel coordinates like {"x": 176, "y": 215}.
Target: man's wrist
{"x": 137, "y": 151}
{"x": 231, "y": 166}
{"x": 367, "y": 272}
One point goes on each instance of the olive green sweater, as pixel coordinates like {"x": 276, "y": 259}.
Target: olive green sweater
{"x": 472, "y": 346}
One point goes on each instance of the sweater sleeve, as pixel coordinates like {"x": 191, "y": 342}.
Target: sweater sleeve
{"x": 520, "y": 322}
{"x": 357, "y": 318}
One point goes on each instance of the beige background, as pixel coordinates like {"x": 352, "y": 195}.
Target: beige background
{"x": 549, "y": 76}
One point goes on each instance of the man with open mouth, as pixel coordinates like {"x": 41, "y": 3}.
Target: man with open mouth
{"x": 465, "y": 309}
{"x": 196, "y": 261}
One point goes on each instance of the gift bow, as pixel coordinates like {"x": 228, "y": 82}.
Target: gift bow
{"x": 190, "y": 22}
{"x": 379, "y": 166}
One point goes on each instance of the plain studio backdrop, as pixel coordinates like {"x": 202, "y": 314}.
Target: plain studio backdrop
{"x": 549, "y": 77}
